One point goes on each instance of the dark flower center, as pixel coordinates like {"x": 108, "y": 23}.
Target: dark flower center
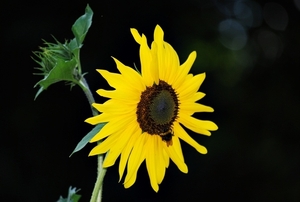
{"x": 157, "y": 110}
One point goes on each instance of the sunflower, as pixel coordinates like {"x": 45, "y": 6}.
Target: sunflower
{"x": 146, "y": 112}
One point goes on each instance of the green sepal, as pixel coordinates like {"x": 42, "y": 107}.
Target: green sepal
{"x": 88, "y": 137}
{"x": 74, "y": 47}
{"x": 62, "y": 71}
{"x": 82, "y": 25}
{"x": 72, "y": 196}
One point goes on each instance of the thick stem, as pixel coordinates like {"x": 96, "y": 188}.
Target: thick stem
{"x": 85, "y": 87}
{"x": 97, "y": 192}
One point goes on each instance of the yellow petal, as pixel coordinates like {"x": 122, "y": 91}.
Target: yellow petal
{"x": 158, "y": 34}
{"x": 131, "y": 77}
{"x": 136, "y": 132}
{"x": 112, "y": 126}
{"x": 136, "y": 35}
{"x": 182, "y": 134}
{"x": 118, "y": 146}
{"x": 177, "y": 147}
{"x": 117, "y": 81}
{"x": 171, "y": 63}
{"x": 183, "y": 70}
{"x": 104, "y": 146}
{"x": 136, "y": 157}
{"x": 191, "y": 108}
{"x": 175, "y": 158}
{"x": 146, "y": 62}
{"x": 119, "y": 95}
{"x": 110, "y": 107}
{"x": 151, "y": 162}
{"x": 113, "y": 79}
{"x": 159, "y": 40}
{"x": 195, "y": 97}
{"x": 196, "y": 125}
{"x": 102, "y": 118}
{"x": 155, "y": 69}
{"x": 191, "y": 86}
{"x": 159, "y": 155}
{"x": 165, "y": 156}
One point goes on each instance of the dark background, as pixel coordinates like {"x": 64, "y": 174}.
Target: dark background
{"x": 250, "y": 51}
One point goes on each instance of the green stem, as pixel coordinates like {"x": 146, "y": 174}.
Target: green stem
{"x": 85, "y": 87}
{"x": 97, "y": 192}
{"x": 78, "y": 62}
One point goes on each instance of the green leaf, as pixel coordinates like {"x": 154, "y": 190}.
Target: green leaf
{"x": 62, "y": 71}
{"x": 82, "y": 25}
{"x": 73, "y": 47}
{"x": 72, "y": 196}
{"x": 88, "y": 137}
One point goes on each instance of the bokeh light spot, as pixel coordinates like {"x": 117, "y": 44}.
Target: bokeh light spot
{"x": 270, "y": 44}
{"x": 233, "y": 34}
{"x": 275, "y": 16}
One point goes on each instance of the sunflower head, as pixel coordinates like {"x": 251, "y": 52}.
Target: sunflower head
{"x": 146, "y": 111}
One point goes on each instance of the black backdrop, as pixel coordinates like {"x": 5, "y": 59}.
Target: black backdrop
{"x": 252, "y": 83}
